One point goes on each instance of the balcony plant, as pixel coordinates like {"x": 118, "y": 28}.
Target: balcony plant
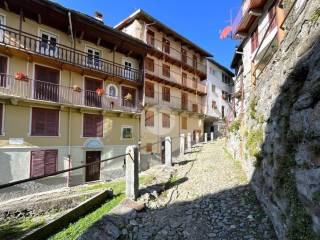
{"x": 128, "y": 97}
{"x": 76, "y": 88}
{"x": 21, "y": 76}
{"x": 100, "y": 91}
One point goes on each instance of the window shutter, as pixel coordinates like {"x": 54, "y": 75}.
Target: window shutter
{"x": 166, "y": 94}
{"x": 184, "y": 79}
{"x": 92, "y": 125}
{"x": 150, "y": 38}
{"x": 184, "y": 123}
{"x": 254, "y": 40}
{"x": 45, "y": 122}
{"x": 195, "y": 107}
{"x": 149, "y": 89}
{"x": 165, "y": 70}
{"x": 3, "y": 71}
{"x": 37, "y": 163}
{"x": 50, "y": 161}
{"x": 165, "y": 120}
{"x": 149, "y": 119}
{"x": 99, "y": 122}
{"x": 149, "y": 64}
{"x": 1, "y": 117}
{"x": 184, "y": 55}
{"x": 184, "y": 101}
{"x": 52, "y": 122}
{"x": 166, "y": 45}
{"x": 149, "y": 147}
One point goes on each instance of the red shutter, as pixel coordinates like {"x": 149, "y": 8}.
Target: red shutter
{"x": 149, "y": 89}
{"x": 165, "y": 70}
{"x": 149, "y": 64}
{"x": 92, "y": 125}
{"x": 165, "y": 120}
{"x": 50, "y": 161}
{"x": 149, "y": 119}
{"x": 45, "y": 122}
{"x": 166, "y": 94}
{"x": 37, "y": 163}
{"x": 1, "y": 117}
{"x": 3, "y": 71}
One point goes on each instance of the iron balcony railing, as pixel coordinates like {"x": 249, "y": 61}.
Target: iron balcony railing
{"x": 30, "y": 89}
{"x": 163, "y": 100}
{"x": 177, "y": 78}
{"x": 27, "y": 42}
{"x": 177, "y": 54}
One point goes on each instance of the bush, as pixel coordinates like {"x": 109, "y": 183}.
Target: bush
{"x": 234, "y": 126}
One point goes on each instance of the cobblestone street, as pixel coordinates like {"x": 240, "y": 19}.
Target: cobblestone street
{"x": 209, "y": 199}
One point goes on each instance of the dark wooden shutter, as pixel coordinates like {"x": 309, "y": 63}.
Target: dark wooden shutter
{"x": 166, "y": 94}
{"x": 165, "y": 120}
{"x": 46, "y": 85}
{"x": 165, "y": 70}
{"x": 184, "y": 79}
{"x": 166, "y": 45}
{"x": 184, "y": 124}
{"x": 150, "y": 38}
{"x": 3, "y": 71}
{"x": 92, "y": 125}
{"x": 195, "y": 62}
{"x": 45, "y": 122}
{"x": 50, "y": 161}
{"x": 91, "y": 97}
{"x": 149, "y": 64}
{"x": 149, "y": 89}
{"x": 184, "y": 55}
{"x": 195, "y": 107}
{"x": 1, "y": 117}
{"x": 37, "y": 163}
{"x": 184, "y": 101}
{"x": 149, "y": 119}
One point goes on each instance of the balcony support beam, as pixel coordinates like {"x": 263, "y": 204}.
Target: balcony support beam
{"x": 6, "y": 6}
{"x": 39, "y": 18}
{"x": 255, "y": 12}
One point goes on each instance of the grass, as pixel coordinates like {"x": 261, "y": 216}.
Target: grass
{"x": 74, "y": 230}
{"x": 15, "y": 229}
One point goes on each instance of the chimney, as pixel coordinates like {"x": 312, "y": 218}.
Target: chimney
{"x": 98, "y": 16}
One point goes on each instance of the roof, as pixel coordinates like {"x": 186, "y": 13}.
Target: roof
{"x": 221, "y": 66}
{"x": 141, "y": 14}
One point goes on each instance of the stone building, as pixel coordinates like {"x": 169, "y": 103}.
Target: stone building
{"x": 277, "y": 142}
{"x": 70, "y": 93}
{"x": 220, "y": 109}
{"x": 173, "y": 89}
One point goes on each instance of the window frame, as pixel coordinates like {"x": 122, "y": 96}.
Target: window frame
{"x": 146, "y": 92}
{"x": 149, "y": 60}
{"x": 50, "y": 34}
{"x": 93, "y": 49}
{"x": 83, "y": 122}
{"x": 166, "y": 94}
{"x": 126, "y": 127}
{"x": 30, "y": 134}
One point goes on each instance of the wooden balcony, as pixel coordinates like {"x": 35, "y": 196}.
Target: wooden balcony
{"x": 20, "y": 41}
{"x": 54, "y": 94}
{"x": 175, "y": 103}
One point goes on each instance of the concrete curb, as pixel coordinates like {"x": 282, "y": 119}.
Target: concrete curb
{"x": 71, "y": 216}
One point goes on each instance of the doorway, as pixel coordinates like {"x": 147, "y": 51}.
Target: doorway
{"x": 93, "y": 171}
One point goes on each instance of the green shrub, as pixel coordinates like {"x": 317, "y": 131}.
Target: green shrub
{"x": 253, "y": 107}
{"x": 254, "y": 140}
{"x": 234, "y": 126}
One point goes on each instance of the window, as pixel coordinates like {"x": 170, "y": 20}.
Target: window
{"x": 112, "y": 90}
{"x": 44, "y": 122}
{"x": 226, "y": 96}
{"x": 222, "y": 111}
{"x": 149, "y": 89}
{"x": 166, "y": 70}
{"x": 184, "y": 55}
{"x": 184, "y": 101}
{"x": 195, "y": 62}
{"x": 226, "y": 79}
{"x": 48, "y": 44}
{"x": 184, "y": 123}
{"x": 1, "y": 118}
{"x": 214, "y": 104}
{"x": 272, "y": 18}
{"x": 91, "y": 97}
{"x": 165, "y": 120}
{"x": 93, "y": 58}
{"x": 126, "y": 132}
{"x": 166, "y": 94}
{"x": 128, "y": 96}
{"x": 184, "y": 79}
{"x": 92, "y": 125}
{"x": 3, "y": 71}
{"x": 254, "y": 40}
{"x": 127, "y": 70}
{"x": 43, "y": 162}
{"x": 2, "y": 22}
{"x": 213, "y": 88}
{"x": 166, "y": 46}
{"x": 195, "y": 107}
{"x": 149, "y": 147}
{"x": 149, "y": 64}
{"x": 150, "y": 38}
{"x": 194, "y": 83}
{"x": 149, "y": 121}
{"x": 46, "y": 85}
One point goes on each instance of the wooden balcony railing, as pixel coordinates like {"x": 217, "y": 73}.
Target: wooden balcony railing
{"x": 177, "y": 54}
{"x": 48, "y": 92}
{"x": 27, "y": 42}
{"x": 176, "y": 78}
{"x": 175, "y": 103}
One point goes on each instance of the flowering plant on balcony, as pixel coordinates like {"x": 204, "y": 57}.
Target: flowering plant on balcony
{"x": 76, "y": 88}
{"x": 128, "y": 97}
{"x": 21, "y": 76}
{"x": 100, "y": 91}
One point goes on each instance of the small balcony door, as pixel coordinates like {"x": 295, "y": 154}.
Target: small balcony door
{"x": 46, "y": 84}
{"x": 3, "y": 71}
{"x": 93, "y": 170}
{"x": 48, "y": 44}
{"x": 92, "y": 99}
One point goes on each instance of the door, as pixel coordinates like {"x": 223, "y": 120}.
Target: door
{"x": 128, "y": 96}
{"x": 91, "y": 97}
{"x": 46, "y": 85}
{"x": 93, "y": 170}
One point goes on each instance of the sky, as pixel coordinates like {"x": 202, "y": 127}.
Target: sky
{"x": 198, "y": 20}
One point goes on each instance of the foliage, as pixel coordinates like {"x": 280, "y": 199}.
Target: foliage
{"x": 316, "y": 196}
{"x": 316, "y": 16}
{"x": 15, "y": 229}
{"x": 253, "y": 107}
{"x": 254, "y": 140}
{"x": 234, "y": 126}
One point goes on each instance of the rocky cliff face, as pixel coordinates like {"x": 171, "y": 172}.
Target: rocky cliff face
{"x": 280, "y": 131}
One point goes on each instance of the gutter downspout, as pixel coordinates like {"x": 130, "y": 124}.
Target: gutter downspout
{"x": 69, "y": 114}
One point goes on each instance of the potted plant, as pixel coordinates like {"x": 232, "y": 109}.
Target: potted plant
{"x": 21, "y": 76}
{"x": 76, "y": 88}
{"x": 100, "y": 91}
{"x": 128, "y": 97}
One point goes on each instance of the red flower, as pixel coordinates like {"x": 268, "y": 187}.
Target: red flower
{"x": 100, "y": 91}
{"x": 21, "y": 76}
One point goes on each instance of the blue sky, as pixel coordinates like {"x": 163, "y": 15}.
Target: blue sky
{"x": 198, "y": 20}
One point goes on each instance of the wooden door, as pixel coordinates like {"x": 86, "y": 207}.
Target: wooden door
{"x": 46, "y": 86}
{"x": 91, "y": 97}
{"x": 93, "y": 171}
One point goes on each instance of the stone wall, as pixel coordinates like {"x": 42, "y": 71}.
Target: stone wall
{"x": 280, "y": 130}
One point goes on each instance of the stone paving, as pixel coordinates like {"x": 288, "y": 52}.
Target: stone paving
{"x": 208, "y": 198}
